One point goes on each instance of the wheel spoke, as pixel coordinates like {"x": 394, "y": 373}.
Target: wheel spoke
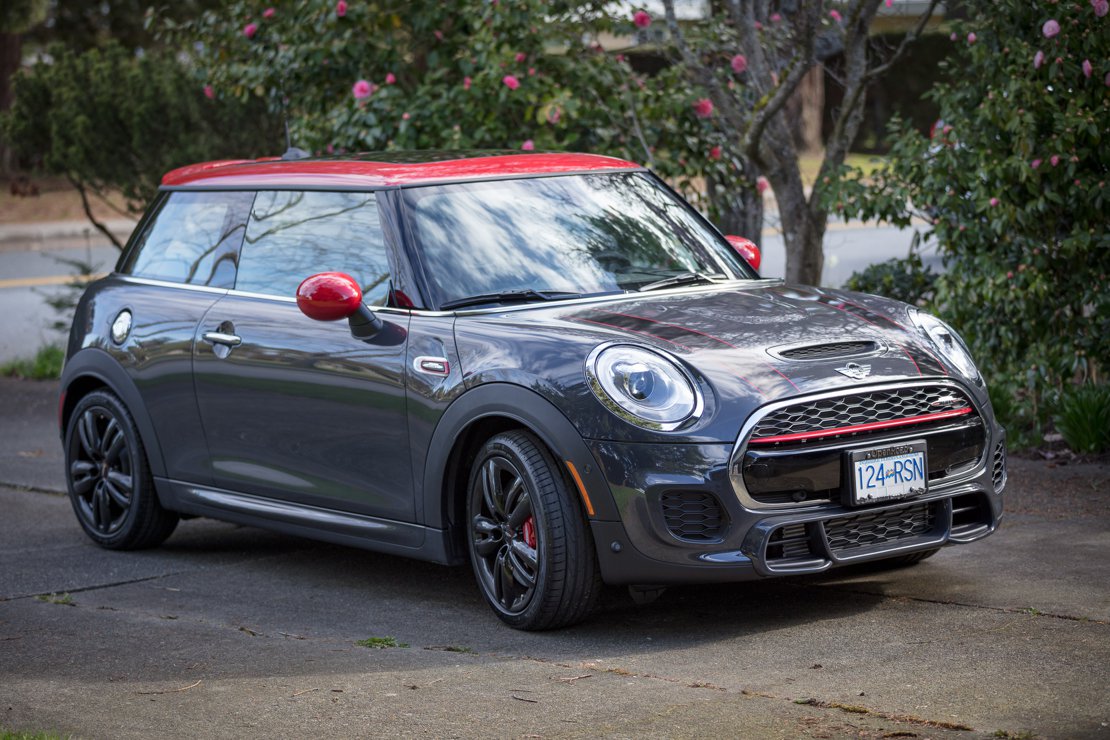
{"x": 115, "y": 447}
{"x": 491, "y": 489}
{"x": 520, "y": 513}
{"x": 523, "y": 561}
{"x": 501, "y": 584}
{"x": 86, "y": 432}
{"x": 83, "y": 476}
{"x": 108, "y": 438}
{"x": 102, "y": 513}
{"x": 118, "y": 497}
{"x": 487, "y": 536}
{"x": 121, "y": 481}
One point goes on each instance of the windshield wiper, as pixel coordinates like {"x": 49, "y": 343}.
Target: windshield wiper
{"x": 683, "y": 278}
{"x": 505, "y": 296}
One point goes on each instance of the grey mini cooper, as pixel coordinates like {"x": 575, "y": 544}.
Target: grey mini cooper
{"x": 548, "y": 365}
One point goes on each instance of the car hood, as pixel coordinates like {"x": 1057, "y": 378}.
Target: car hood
{"x": 747, "y": 344}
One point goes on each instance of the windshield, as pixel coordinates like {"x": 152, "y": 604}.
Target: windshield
{"x": 576, "y": 234}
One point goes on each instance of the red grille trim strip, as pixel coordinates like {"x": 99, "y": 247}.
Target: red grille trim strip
{"x": 862, "y": 427}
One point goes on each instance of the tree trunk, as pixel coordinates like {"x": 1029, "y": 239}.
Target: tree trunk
{"x": 811, "y": 96}
{"x": 739, "y": 210}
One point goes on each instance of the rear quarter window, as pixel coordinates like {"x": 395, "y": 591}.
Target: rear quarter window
{"x": 294, "y": 234}
{"x": 193, "y": 238}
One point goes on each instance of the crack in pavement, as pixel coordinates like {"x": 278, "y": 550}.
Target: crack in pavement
{"x": 1029, "y": 611}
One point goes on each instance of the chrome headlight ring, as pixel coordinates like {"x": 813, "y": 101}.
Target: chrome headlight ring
{"x": 644, "y": 386}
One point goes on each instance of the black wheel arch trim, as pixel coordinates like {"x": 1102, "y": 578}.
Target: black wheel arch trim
{"x": 533, "y": 412}
{"x": 101, "y": 366}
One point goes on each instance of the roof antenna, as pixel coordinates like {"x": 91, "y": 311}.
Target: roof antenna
{"x": 291, "y": 152}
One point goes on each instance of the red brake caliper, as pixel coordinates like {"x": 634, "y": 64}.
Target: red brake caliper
{"x": 529, "y": 532}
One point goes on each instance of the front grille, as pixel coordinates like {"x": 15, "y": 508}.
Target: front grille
{"x": 880, "y": 527}
{"x": 829, "y": 350}
{"x": 791, "y": 542}
{"x": 693, "y": 516}
{"x": 998, "y": 469}
{"x": 854, "y": 410}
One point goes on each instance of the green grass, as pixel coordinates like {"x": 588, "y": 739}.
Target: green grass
{"x": 12, "y": 735}
{"x": 381, "y": 643}
{"x": 45, "y": 365}
{"x": 64, "y": 599}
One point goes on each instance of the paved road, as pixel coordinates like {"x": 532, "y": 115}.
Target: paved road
{"x": 228, "y": 631}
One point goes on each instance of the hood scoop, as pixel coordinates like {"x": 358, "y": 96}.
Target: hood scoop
{"x": 826, "y": 351}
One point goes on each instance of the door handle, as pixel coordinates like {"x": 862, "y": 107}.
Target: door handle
{"x": 219, "y": 337}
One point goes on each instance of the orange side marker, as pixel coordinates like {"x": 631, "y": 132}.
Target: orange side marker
{"x": 581, "y": 488}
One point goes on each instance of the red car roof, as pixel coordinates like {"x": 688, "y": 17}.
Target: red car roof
{"x": 384, "y": 169}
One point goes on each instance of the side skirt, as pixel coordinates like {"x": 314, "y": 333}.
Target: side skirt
{"x": 329, "y": 525}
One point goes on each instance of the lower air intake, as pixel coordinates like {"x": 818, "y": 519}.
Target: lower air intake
{"x": 693, "y": 516}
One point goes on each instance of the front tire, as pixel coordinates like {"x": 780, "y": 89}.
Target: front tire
{"x": 108, "y": 478}
{"x": 529, "y": 541}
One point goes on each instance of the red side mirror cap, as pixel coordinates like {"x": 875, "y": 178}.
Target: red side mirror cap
{"x": 329, "y": 296}
{"x": 747, "y": 249}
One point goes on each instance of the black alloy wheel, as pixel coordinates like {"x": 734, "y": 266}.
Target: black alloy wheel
{"x": 109, "y": 480}
{"x": 529, "y": 540}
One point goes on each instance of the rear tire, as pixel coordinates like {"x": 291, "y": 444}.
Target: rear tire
{"x": 529, "y": 541}
{"x": 108, "y": 478}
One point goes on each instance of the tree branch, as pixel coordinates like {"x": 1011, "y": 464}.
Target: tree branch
{"x": 908, "y": 39}
{"x": 80, "y": 187}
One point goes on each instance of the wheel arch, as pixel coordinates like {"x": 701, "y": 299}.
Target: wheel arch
{"x": 483, "y": 412}
{"x": 92, "y": 369}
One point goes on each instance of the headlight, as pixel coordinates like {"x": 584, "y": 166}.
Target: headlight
{"x": 642, "y": 386}
{"x": 948, "y": 342}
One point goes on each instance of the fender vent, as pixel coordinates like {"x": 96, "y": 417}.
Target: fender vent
{"x": 998, "y": 470}
{"x": 693, "y": 516}
{"x": 830, "y": 350}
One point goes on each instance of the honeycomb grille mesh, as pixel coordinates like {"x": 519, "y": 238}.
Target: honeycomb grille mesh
{"x": 998, "y": 469}
{"x": 879, "y": 527}
{"x": 693, "y": 515}
{"x": 826, "y": 351}
{"x": 860, "y": 408}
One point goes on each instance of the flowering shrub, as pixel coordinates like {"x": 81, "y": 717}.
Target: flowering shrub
{"x": 1015, "y": 193}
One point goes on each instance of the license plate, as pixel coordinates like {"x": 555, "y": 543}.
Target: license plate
{"x": 885, "y": 473}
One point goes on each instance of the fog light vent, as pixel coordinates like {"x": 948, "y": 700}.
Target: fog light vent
{"x": 693, "y": 516}
{"x": 998, "y": 471}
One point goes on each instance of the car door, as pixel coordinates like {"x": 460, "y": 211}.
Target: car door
{"x": 296, "y": 409}
{"x": 180, "y": 263}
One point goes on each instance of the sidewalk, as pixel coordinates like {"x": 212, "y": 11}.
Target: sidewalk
{"x": 19, "y": 235}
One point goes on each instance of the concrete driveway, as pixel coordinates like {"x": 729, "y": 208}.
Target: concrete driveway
{"x": 229, "y": 632}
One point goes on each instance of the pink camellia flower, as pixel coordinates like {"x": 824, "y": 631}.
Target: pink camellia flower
{"x": 466, "y": 83}
{"x": 703, "y": 108}
{"x": 1087, "y": 68}
{"x": 554, "y": 114}
{"x": 889, "y": 3}
{"x": 331, "y": 149}
{"x": 1101, "y": 7}
{"x": 209, "y": 92}
{"x": 1035, "y": 163}
{"x": 361, "y": 89}
{"x": 758, "y": 26}
{"x": 250, "y": 30}
{"x": 1010, "y": 275}
{"x": 531, "y": 71}
{"x": 835, "y": 15}
{"x": 1054, "y": 159}
{"x": 761, "y": 184}
{"x": 1038, "y": 60}
{"x": 994, "y": 202}
{"x": 1050, "y": 28}
{"x": 953, "y": 37}
{"x": 739, "y": 63}
{"x": 268, "y": 13}
{"x": 404, "y": 116}
{"x": 341, "y": 8}
{"x": 511, "y": 82}
{"x": 528, "y": 145}
{"x": 641, "y": 19}
{"x": 775, "y": 18}
{"x": 390, "y": 78}
{"x": 520, "y": 57}
{"x": 1107, "y": 79}
{"x": 715, "y": 153}
{"x": 438, "y": 34}
{"x": 972, "y": 38}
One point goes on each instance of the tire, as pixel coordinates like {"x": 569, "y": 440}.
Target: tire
{"x": 904, "y": 561}
{"x": 529, "y": 541}
{"x": 108, "y": 478}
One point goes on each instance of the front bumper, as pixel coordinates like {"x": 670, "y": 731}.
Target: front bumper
{"x": 715, "y": 537}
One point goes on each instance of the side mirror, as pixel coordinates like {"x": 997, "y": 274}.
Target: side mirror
{"x": 330, "y": 296}
{"x": 747, "y": 249}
